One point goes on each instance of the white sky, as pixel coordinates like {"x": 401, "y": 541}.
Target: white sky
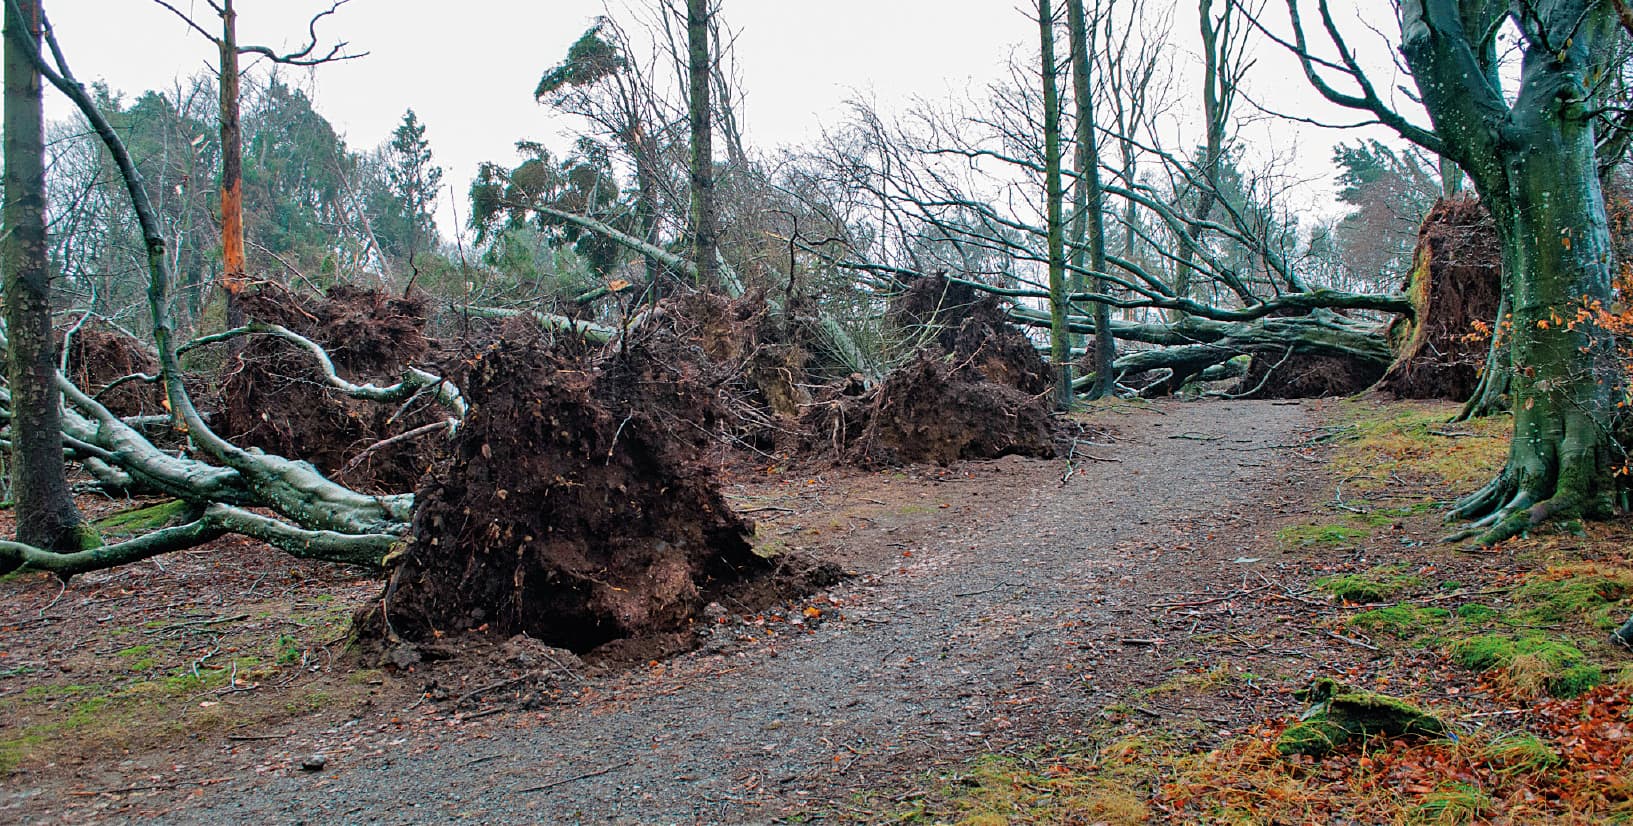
{"x": 469, "y": 69}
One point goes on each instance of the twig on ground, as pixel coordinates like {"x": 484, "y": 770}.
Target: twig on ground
{"x": 1352, "y": 641}
{"x": 493, "y": 687}
{"x": 575, "y": 778}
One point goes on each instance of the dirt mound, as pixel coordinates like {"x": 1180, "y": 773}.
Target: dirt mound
{"x": 99, "y": 355}
{"x": 756, "y": 359}
{"x": 972, "y": 326}
{"x": 275, "y": 401}
{"x": 574, "y": 506}
{"x": 1303, "y": 376}
{"x": 1455, "y": 283}
{"x": 931, "y": 410}
{"x": 976, "y": 389}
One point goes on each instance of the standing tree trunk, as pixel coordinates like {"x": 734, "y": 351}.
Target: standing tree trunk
{"x": 46, "y": 515}
{"x": 1060, "y": 337}
{"x": 1534, "y": 163}
{"x": 232, "y": 159}
{"x": 1214, "y": 91}
{"x": 1090, "y": 201}
{"x": 702, "y": 123}
{"x": 233, "y": 268}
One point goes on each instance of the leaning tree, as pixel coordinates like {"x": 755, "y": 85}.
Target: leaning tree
{"x": 1530, "y": 145}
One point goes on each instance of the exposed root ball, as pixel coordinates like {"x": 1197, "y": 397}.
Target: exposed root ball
{"x": 98, "y": 355}
{"x": 1305, "y": 376}
{"x": 573, "y": 507}
{"x": 972, "y": 326}
{"x": 1456, "y": 282}
{"x": 274, "y": 400}
{"x": 933, "y": 410}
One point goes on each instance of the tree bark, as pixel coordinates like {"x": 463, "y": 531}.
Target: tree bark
{"x": 1060, "y": 341}
{"x": 1534, "y": 163}
{"x": 1090, "y": 205}
{"x": 704, "y": 240}
{"x": 46, "y": 515}
{"x": 233, "y": 268}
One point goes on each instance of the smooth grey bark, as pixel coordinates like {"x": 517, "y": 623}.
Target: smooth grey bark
{"x": 1531, "y": 154}
{"x": 1090, "y": 226}
{"x": 1060, "y": 342}
{"x": 701, "y": 116}
{"x": 46, "y": 515}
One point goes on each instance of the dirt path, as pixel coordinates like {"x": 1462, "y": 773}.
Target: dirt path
{"x": 1015, "y": 631}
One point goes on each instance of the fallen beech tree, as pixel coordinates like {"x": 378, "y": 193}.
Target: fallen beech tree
{"x": 284, "y": 502}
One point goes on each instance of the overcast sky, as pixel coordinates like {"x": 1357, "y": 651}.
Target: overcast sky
{"x": 469, "y": 69}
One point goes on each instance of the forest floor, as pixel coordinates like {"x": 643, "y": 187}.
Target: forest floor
{"x": 1114, "y": 638}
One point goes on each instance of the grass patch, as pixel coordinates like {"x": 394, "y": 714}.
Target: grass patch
{"x": 1454, "y": 803}
{"x": 1520, "y": 752}
{"x": 1585, "y": 593}
{"x": 1376, "y": 441}
{"x": 1108, "y": 785}
{"x": 1379, "y": 584}
{"x": 1530, "y": 664}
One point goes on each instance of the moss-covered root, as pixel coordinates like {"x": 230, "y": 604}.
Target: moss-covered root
{"x": 1563, "y": 482}
{"x": 1339, "y": 714}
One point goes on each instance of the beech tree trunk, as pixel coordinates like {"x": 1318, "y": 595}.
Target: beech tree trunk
{"x": 704, "y": 240}
{"x": 46, "y": 515}
{"x": 1534, "y": 164}
{"x": 1060, "y": 340}
{"x": 1090, "y": 202}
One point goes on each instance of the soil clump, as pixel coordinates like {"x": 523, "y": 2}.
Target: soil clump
{"x": 274, "y": 397}
{"x": 976, "y": 389}
{"x": 574, "y": 505}
{"x": 1455, "y": 285}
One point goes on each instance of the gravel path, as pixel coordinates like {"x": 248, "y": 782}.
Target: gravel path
{"x": 1011, "y": 632}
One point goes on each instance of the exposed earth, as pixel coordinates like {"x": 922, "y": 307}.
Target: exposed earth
{"x": 994, "y": 606}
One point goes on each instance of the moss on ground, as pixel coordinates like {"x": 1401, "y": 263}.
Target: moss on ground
{"x": 1303, "y": 536}
{"x": 1339, "y": 714}
{"x": 1402, "y": 621}
{"x": 1379, "y": 584}
{"x": 1530, "y": 663}
{"x": 1376, "y": 442}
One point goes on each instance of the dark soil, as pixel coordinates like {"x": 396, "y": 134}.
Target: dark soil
{"x": 1302, "y": 376}
{"x": 1455, "y": 283}
{"x": 99, "y": 355}
{"x": 931, "y": 410}
{"x": 977, "y": 389}
{"x": 274, "y": 400}
{"x": 1024, "y": 610}
{"x": 624, "y": 533}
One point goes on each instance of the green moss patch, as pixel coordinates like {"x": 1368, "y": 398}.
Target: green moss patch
{"x": 1340, "y": 714}
{"x": 1589, "y": 594}
{"x": 144, "y": 519}
{"x": 1329, "y": 534}
{"x": 1379, "y": 584}
{"x": 1403, "y": 621}
{"x": 1531, "y": 663}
